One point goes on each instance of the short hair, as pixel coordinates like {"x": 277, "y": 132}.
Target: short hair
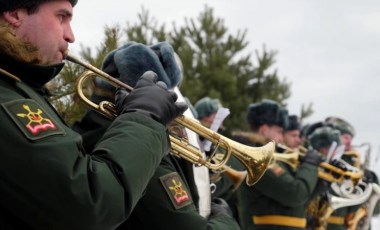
{"x": 31, "y": 6}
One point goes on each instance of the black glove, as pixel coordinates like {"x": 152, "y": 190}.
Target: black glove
{"x": 321, "y": 187}
{"x": 220, "y": 207}
{"x": 151, "y": 98}
{"x": 312, "y": 157}
{"x": 370, "y": 176}
{"x": 339, "y": 164}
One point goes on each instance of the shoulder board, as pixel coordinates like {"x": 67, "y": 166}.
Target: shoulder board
{"x": 9, "y": 75}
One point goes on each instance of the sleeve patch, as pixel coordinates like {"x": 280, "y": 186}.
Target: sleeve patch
{"x": 176, "y": 189}
{"x": 31, "y": 119}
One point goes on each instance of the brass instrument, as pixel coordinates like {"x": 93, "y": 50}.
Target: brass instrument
{"x": 302, "y": 150}
{"x": 359, "y": 215}
{"x": 335, "y": 202}
{"x": 254, "y": 159}
{"x": 236, "y": 176}
{"x": 335, "y": 174}
{"x": 356, "y": 154}
{"x": 326, "y": 171}
{"x": 370, "y": 206}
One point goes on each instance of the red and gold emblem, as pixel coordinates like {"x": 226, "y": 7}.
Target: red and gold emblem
{"x": 37, "y": 122}
{"x": 180, "y": 194}
{"x": 176, "y": 189}
{"x": 32, "y": 120}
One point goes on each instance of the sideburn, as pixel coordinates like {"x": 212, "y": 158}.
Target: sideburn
{"x": 16, "y": 47}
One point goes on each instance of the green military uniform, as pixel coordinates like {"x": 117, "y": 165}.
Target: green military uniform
{"x": 47, "y": 181}
{"x": 166, "y": 209}
{"x": 170, "y": 199}
{"x": 277, "y": 200}
{"x": 338, "y": 219}
{"x": 321, "y": 136}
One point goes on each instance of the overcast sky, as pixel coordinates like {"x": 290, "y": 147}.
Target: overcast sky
{"x": 328, "y": 50}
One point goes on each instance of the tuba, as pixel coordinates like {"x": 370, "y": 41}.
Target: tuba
{"x": 369, "y": 207}
{"x": 254, "y": 159}
{"x": 335, "y": 202}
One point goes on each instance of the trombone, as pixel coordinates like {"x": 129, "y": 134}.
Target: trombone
{"x": 254, "y": 159}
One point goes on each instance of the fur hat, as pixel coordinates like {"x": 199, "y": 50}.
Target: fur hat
{"x": 9, "y": 5}
{"x": 129, "y": 62}
{"x": 343, "y": 126}
{"x": 207, "y": 106}
{"x": 293, "y": 123}
{"x": 267, "y": 112}
{"x": 323, "y": 137}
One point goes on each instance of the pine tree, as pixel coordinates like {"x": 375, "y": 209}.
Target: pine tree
{"x": 215, "y": 64}
{"x": 265, "y": 82}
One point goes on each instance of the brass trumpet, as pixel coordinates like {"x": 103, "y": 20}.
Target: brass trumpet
{"x": 326, "y": 171}
{"x": 254, "y": 159}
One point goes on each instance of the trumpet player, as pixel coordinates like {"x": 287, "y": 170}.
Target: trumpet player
{"x": 207, "y": 109}
{"x": 171, "y": 199}
{"x": 323, "y": 138}
{"x": 353, "y": 157}
{"x": 48, "y": 180}
{"x": 292, "y": 133}
{"x": 278, "y": 199}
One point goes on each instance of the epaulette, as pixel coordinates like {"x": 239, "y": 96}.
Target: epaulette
{"x": 11, "y": 76}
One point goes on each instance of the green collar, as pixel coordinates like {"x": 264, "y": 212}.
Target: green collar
{"x": 34, "y": 75}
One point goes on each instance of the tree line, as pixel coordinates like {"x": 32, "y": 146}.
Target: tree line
{"x": 216, "y": 63}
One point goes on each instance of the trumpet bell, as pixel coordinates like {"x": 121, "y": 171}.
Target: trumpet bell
{"x": 254, "y": 159}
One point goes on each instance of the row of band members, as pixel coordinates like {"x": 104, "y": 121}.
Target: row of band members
{"x": 117, "y": 174}
{"x": 288, "y": 198}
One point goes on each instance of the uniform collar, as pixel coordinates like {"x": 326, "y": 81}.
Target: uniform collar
{"x": 34, "y": 75}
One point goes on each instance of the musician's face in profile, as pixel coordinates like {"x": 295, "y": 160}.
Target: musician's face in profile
{"x": 48, "y": 28}
{"x": 292, "y": 138}
{"x": 272, "y": 132}
{"x": 324, "y": 151}
{"x": 207, "y": 120}
{"x": 346, "y": 141}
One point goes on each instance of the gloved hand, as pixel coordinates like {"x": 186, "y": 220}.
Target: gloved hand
{"x": 151, "y": 98}
{"x": 370, "y": 176}
{"x": 322, "y": 186}
{"x": 339, "y": 164}
{"x": 312, "y": 157}
{"x": 220, "y": 207}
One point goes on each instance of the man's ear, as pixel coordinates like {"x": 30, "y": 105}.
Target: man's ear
{"x": 263, "y": 130}
{"x": 14, "y": 18}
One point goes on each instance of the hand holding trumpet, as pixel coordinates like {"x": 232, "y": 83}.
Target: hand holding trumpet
{"x": 150, "y": 98}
